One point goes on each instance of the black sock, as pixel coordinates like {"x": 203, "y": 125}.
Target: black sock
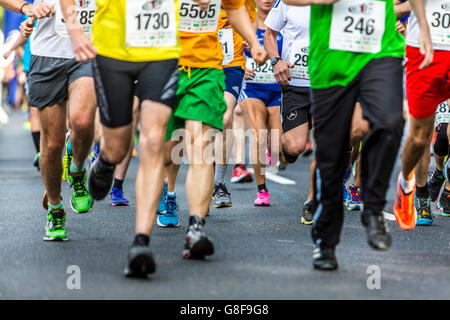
{"x": 141, "y": 240}
{"x": 262, "y": 187}
{"x": 422, "y": 192}
{"x": 37, "y": 140}
{"x": 118, "y": 183}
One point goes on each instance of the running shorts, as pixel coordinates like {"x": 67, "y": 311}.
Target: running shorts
{"x": 270, "y": 97}
{"x": 295, "y": 107}
{"x": 233, "y": 80}
{"x": 117, "y": 82}
{"x": 426, "y": 88}
{"x": 49, "y": 79}
{"x": 199, "y": 97}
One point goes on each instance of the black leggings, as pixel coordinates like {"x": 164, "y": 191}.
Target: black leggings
{"x": 441, "y": 143}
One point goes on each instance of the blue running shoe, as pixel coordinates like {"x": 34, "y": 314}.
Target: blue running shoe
{"x": 170, "y": 218}
{"x": 117, "y": 198}
{"x": 346, "y": 196}
{"x": 162, "y": 202}
{"x": 423, "y": 211}
{"x": 353, "y": 201}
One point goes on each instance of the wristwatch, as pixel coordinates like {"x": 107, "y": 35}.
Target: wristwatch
{"x": 274, "y": 61}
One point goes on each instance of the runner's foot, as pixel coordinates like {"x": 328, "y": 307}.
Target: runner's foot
{"x": 444, "y": 203}
{"x": 162, "y": 202}
{"x": 100, "y": 179}
{"x": 55, "y": 229}
{"x": 262, "y": 198}
{"x": 324, "y": 258}
{"x": 118, "y": 198}
{"x": 423, "y": 211}
{"x": 404, "y": 208}
{"x": 197, "y": 244}
{"x": 308, "y": 213}
{"x": 140, "y": 262}
{"x": 81, "y": 200}
{"x": 378, "y": 235}
{"x": 221, "y": 196}
{"x": 435, "y": 185}
{"x": 241, "y": 175}
{"x": 170, "y": 218}
{"x": 353, "y": 200}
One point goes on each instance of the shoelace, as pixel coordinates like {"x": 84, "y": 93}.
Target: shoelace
{"x": 222, "y": 191}
{"x": 171, "y": 207}
{"x": 78, "y": 186}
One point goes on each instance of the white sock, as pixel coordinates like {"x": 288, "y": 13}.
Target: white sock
{"x": 407, "y": 185}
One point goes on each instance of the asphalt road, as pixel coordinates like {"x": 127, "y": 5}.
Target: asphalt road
{"x": 261, "y": 253}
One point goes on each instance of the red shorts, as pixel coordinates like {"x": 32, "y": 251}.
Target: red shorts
{"x": 426, "y": 88}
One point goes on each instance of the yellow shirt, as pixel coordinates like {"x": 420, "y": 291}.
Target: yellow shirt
{"x": 238, "y": 41}
{"x": 110, "y": 35}
{"x": 203, "y": 50}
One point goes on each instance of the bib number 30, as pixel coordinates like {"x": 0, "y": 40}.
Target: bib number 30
{"x": 438, "y": 16}
{"x": 358, "y": 25}
{"x": 150, "y": 23}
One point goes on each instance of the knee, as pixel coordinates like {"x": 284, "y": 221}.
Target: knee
{"x": 54, "y": 146}
{"x": 294, "y": 148}
{"x": 152, "y": 142}
{"x": 359, "y": 132}
{"x": 82, "y": 124}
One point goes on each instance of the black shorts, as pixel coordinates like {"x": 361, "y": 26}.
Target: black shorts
{"x": 295, "y": 107}
{"x": 116, "y": 83}
{"x": 49, "y": 79}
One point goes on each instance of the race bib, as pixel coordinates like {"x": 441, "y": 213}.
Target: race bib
{"x": 438, "y": 16}
{"x": 226, "y": 41}
{"x": 263, "y": 74}
{"x": 358, "y": 25}
{"x": 442, "y": 114}
{"x": 150, "y": 23}
{"x": 192, "y": 19}
{"x": 85, "y": 10}
{"x": 299, "y": 58}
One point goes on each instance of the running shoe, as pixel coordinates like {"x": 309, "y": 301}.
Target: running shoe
{"x": 348, "y": 169}
{"x": 435, "y": 185}
{"x": 100, "y": 179}
{"x": 444, "y": 203}
{"x": 81, "y": 201}
{"x": 140, "y": 262}
{"x": 36, "y": 161}
{"x": 378, "y": 235}
{"x": 324, "y": 258}
{"x": 308, "y": 213}
{"x": 162, "y": 201}
{"x": 262, "y": 199}
{"x": 423, "y": 211}
{"x": 353, "y": 201}
{"x": 241, "y": 175}
{"x": 67, "y": 160}
{"x": 118, "y": 198}
{"x": 170, "y": 218}
{"x": 404, "y": 208}
{"x": 55, "y": 229}
{"x": 221, "y": 196}
{"x": 346, "y": 195}
{"x": 197, "y": 244}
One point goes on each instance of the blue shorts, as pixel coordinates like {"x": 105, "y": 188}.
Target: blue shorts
{"x": 233, "y": 80}
{"x": 270, "y": 97}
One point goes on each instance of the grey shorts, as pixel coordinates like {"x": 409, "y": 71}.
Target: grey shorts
{"x": 49, "y": 79}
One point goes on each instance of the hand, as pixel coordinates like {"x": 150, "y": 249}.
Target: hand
{"x": 26, "y": 27}
{"x": 400, "y": 27}
{"x": 259, "y": 55}
{"x": 82, "y": 47}
{"x": 281, "y": 72}
{"x": 203, "y": 4}
{"x": 249, "y": 74}
{"x": 7, "y": 54}
{"x": 426, "y": 46}
{"x": 41, "y": 10}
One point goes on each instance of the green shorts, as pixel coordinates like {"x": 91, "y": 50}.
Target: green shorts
{"x": 199, "y": 97}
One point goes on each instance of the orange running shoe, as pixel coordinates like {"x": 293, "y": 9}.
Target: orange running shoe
{"x": 404, "y": 208}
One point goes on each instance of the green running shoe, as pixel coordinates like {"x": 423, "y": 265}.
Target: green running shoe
{"x": 55, "y": 229}
{"x": 81, "y": 200}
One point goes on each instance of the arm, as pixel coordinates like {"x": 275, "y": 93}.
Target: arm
{"x": 20, "y": 42}
{"x": 240, "y": 21}
{"x": 281, "y": 68}
{"x": 16, "y": 5}
{"x": 402, "y": 9}
{"x": 41, "y": 10}
{"x": 426, "y": 45}
{"x": 82, "y": 47}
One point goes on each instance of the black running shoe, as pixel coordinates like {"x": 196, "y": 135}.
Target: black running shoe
{"x": 140, "y": 262}
{"x": 378, "y": 235}
{"x": 444, "y": 203}
{"x": 435, "y": 184}
{"x": 308, "y": 213}
{"x": 197, "y": 244}
{"x": 324, "y": 258}
{"x": 100, "y": 179}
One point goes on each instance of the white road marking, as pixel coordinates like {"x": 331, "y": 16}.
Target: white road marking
{"x": 286, "y": 241}
{"x": 276, "y": 178}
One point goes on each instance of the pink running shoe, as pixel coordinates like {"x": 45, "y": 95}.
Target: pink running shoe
{"x": 262, "y": 199}
{"x": 268, "y": 161}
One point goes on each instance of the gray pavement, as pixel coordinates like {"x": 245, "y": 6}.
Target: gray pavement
{"x": 261, "y": 253}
